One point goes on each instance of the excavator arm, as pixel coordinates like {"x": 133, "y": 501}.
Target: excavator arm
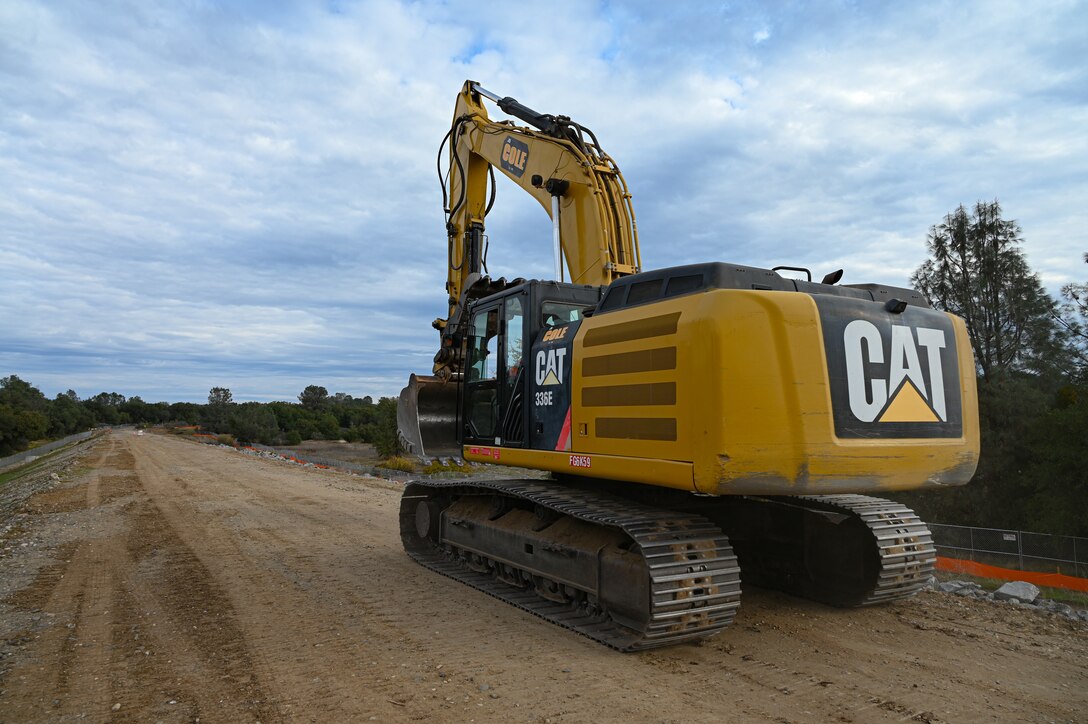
{"x": 560, "y": 164}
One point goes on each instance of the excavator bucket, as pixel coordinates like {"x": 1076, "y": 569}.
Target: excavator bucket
{"x": 427, "y": 417}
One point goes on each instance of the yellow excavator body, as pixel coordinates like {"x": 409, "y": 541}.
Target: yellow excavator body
{"x": 730, "y": 392}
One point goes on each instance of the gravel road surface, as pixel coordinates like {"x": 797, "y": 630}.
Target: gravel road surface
{"x": 157, "y": 579}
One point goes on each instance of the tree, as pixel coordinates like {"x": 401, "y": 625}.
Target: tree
{"x": 19, "y": 427}
{"x": 22, "y": 395}
{"x": 253, "y": 422}
{"x": 1032, "y": 446}
{"x": 1053, "y": 472}
{"x": 220, "y": 396}
{"x": 106, "y": 407}
{"x": 978, "y": 272}
{"x": 1075, "y": 320}
{"x": 184, "y": 412}
{"x": 314, "y": 397}
{"x": 384, "y": 432}
{"x": 67, "y": 416}
{"x": 216, "y": 415}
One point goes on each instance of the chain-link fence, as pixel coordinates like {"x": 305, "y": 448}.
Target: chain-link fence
{"x": 1013, "y": 549}
{"x": 30, "y": 455}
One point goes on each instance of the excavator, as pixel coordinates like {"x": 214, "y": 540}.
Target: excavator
{"x": 701, "y": 424}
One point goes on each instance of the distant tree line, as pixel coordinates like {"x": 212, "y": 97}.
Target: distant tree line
{"x": 27, "y": 415}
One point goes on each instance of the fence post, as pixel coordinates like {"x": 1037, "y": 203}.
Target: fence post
{"x": 1020, "y": 547}
{"x": 971, "y": 541}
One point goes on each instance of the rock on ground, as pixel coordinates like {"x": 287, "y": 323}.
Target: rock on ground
{"x": 1020, "y": 590}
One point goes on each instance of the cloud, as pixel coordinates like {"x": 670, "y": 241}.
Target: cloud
{"x": 246, "y": 195}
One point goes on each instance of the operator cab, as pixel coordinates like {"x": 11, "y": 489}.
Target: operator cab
{"x": 515, "y": 349}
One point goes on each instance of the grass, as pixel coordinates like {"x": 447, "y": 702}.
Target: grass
{"x": 33, "y": 465}
{"x": 19, "y": 471}
{"x": 399, "y": 462}
{"x": 30, "y": 467}
{"x": 1076, "y": 599}
{"x": 437, "y": 466}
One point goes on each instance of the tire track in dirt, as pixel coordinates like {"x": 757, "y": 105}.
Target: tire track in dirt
{"x": 140, "y": 584}
{"x": 316, "y": 572}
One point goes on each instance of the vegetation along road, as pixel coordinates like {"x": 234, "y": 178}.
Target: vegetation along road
{"x": 156, "y": 579}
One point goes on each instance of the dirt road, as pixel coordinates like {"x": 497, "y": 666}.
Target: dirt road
{"x": 162, "y": 580}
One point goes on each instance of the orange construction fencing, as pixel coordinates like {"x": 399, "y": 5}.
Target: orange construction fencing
{"x": 982, "y": 570}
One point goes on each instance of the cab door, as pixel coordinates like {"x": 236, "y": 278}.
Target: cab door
{"x": 495, "y": 379}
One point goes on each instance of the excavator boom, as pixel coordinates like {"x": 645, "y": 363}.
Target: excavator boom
{"x": 560, "y": 164}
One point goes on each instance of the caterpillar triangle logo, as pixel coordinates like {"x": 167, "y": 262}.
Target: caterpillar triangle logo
{"x": 908, "y": 405}
{"x": 891, "y": 375}
{"x": 871, "y": 372}
{"x": 549, "y": 366}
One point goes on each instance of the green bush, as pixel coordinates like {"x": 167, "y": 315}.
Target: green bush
{"x": 227, "y": 440}
{"x": 384, "y": 434}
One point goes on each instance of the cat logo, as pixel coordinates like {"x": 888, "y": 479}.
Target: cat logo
{"x": 891, "y": 375}
{"x": 549, "y": 366}
{"x": 515, "y": 155}
{"x": 896, "y": 389}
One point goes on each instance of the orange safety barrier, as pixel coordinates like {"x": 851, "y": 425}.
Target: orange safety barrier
{"x": 1052, "y": 580}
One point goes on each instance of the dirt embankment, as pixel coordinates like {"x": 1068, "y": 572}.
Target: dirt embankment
{"x": 164, "y": 580}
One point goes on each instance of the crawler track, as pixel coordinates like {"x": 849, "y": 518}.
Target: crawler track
{"x": 690, "y": 585}
{"x": 904, "y": 543}
{"x": 843, "y": 550}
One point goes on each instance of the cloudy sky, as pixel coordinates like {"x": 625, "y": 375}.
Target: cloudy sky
{"x": 198, "y": 194}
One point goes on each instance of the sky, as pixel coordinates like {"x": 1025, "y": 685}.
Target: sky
{"x": 244, "y": 194}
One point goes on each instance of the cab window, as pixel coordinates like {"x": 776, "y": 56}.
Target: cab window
{"x": 483, "y": 360}
{"x": 553, "y": 314}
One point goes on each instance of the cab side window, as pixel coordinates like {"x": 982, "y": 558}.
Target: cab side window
{"x": 483, "y": 362}
{"x": 482, "y": 389}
